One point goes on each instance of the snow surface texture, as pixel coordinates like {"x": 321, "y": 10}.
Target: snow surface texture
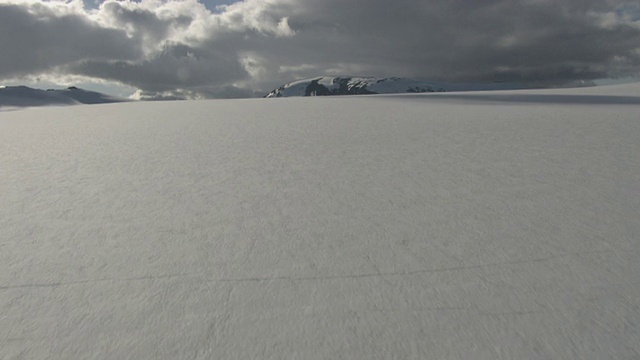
{"x": 426, "y": 226}
{"x": 354, "y": 85}
{"x": 12, "y": 97}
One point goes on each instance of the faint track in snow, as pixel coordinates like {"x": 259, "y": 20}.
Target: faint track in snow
{"x": 302, "y": 278}
{"x": 82, "y": 282}
{"x": 407, "y": 273}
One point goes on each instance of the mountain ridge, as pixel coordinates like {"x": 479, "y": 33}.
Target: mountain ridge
{"x": 361, "y": 85}
{"x": 24, "y": 96}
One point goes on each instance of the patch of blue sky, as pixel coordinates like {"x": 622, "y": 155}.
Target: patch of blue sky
{"x": 629, "y": 12}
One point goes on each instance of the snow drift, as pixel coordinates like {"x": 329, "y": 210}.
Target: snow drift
{"x": 443, "y": 226}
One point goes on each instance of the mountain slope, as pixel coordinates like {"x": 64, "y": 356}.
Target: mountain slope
{"x": 353, "y": 85}
{"x": 23, "y": 96}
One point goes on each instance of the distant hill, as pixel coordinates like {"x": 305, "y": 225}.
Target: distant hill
{"x": 23, "y": 96}
{"x": 352, "y": 85}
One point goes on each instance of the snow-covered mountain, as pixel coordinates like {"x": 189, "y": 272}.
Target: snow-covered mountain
{"x": 23, "y": 96}
{"x": 354, "y": 85}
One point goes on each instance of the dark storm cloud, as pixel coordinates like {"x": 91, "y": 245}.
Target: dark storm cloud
{"x": 177, "y": 66}
{"x": 472, "y": 41}
{"x": 257, "y": 44}
{"x": 34, "y": 38}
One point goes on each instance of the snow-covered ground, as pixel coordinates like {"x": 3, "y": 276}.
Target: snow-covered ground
{"x": 426, "y": 226}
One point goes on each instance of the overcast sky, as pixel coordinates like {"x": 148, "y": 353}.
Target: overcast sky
{"x": 218, "y": 48}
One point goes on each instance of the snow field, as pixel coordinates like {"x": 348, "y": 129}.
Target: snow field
{"x": 372, "y": 227}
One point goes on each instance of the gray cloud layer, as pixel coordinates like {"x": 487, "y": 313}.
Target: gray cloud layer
{"x": 37, "y": 38}
{"x": 179, "y": 48}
